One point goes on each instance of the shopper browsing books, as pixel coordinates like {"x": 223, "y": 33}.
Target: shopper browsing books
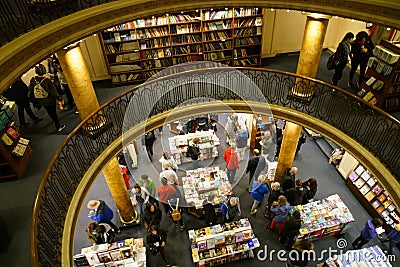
{"x": 342, "y": 56}
{"x": 101, "y": 213}
{"x": 156, "y": 240}
{"x": 291, "y": 229}
{"x": 288, "y": 180}
{"x": 140, "y": 197}
{"x": 368, "y": 233}
{"x": 148, "y": 183}
{"x": 209, "y": 210}
{"x": 255, "y": 166}
{"x": 295, "y": 195}
{"x": 230, "y": 209}
{"x": 258, "y": 189}
{"x": 281, "y": 210}
{"x": 169, "y": 174}
{"x": 310, "y": 187}
{"x": 166, "y": 157}
{"x": 272, "y": 197}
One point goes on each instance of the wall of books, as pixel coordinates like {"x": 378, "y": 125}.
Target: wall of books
{"x": 139, "y": 49}
{"x": 382, "y": 86}
{"x": 223, "y": 243}
{"x": 373, "y": 196}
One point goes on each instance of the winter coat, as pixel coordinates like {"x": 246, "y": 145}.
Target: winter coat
{"x": 342, "y": 52}
{"x": 267, "y": 146}
{"x": 241, "y": 139}
{"x": 155, "y": 241}
{"x": 153, "y": 218}
{"x": 273, "y": 196}
{"x": 231, "y": 159}
{"x": 209, "y": 212}
{"x": 369, "y": 231}
{"x": 281, "y": 212}
{"x": 288, "y": 181}
{"x": 295, "y": 195}
{"x": 103, "y": 213}
{"x": 255, "y": 166}
{"x": 291, "y": 227}
{"x": 258, "y": 190}
{"x": 47, "y": 85}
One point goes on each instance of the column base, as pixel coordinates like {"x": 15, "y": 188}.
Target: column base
{"x": 133, "y": 222}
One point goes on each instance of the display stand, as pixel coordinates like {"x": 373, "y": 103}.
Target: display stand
{"x": 15, "y": 151}
{"x": 373, "y": 196}
{"x": 208, "y": 145}
{"x": 200, "y": 183}
{"x": 129, "y": 253}
{"x": 326, "y": 217}
{"x": 223, "y": 243}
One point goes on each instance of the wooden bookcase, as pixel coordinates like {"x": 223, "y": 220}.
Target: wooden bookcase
{"x": 136, "y": 50}
{"x": 382, "y": 83}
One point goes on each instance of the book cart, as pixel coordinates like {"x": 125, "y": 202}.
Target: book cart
{"x": 223, "y": 243}
{"x": 208, "y": 145}
{"x": 198, "y": 184}
{"x": 136, "y": 50}
{"x": 129, "y": 253}
{"x": 325, "y": 217}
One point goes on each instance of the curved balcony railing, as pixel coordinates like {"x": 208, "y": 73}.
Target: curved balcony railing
{"x": 375, "y": 130}
{"x": 20, "y": 16}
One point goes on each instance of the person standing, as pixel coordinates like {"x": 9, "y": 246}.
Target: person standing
{"x": 167, "y": 157}
{"x": 361, "y": 51}
{"x": 18, "y": 92}
{"x": 156, "y": 240}
{"x": 295, "y": 194}
{"x": 368, "y": 233}
{"x": 241, "y": 141}
{"x": 255, "y": 166}
{"x": 101, "y": 213}
{"x": 193, "y": 151}
{"x": 272, "y": 197}
{"x": 231, "y": 161}
{"x": 231, "y": 127}
{"x": 267, "y": 146}
{"x": 209, "y": 210}
{"x": 258, "y": 189}
{"x": 291, "y": 229}
{"x": 49, "y": 102}
{"x": 169, "y": 195}
{"x": 342, "y": 55}
{"x": 64, "y": 84}
{"x": 232, "y": 209}
{"x": 148, "y": 183}
{"x": 281, "y": 210}
{"x": 152, "y": 216}
{"x": 311, "y": 187}
{"x": 302, "y": 140}
{"x": 140, "y": 197}
{"x": 169, "y": 174}
{"x": 393, "y": 238}
{"x": 302, "y": 253}
{"x": 149, "y": 140}
{"x": 288, "y": 180}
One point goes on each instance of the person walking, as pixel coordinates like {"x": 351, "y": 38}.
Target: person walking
{"x": 18, "y": 92}
{"x": 231, "y": 161}
{"x": 101, "y": 213}
{"x": 360, "y": 52}
{"x": 341, "y": 56}
{"x": 140, "y": 197}
{"x": 169, "y": 196}
{"x": 231, "y": 127}
{"x": 368, "y": 233}
{"x": 259, "y": 188}
{"x": 148, "y": 183}
{"x": 255, "y": 166}
{"x": 48, "y": 102}
{"x": 267, "y": 146}
{"x": 149, "y": 140}
{"x": 64, "y": 84}
{"x": 193, "y": 151}
{"x": 169, "y": 174}
{"x": 241, "y": 141}
{"x": 156, "y": 240}
{"x": 281, "y": 210}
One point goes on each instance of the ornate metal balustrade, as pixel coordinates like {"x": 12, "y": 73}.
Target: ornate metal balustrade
{"x": 367, "y": 125}
{"x": 20, "y": 16}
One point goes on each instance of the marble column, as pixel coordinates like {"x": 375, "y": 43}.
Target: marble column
{"x": 80, "y": 83}
{"x": 311, "y": 49}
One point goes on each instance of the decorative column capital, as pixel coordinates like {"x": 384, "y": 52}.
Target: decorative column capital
{"x": 317, "y": 15}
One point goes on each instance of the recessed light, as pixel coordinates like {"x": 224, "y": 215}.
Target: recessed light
{"x": 388, "y": 28}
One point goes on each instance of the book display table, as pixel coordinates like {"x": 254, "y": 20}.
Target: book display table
{"x": 129, "y": 253}
{"x": 326, "y": 217}
{"x": 208, "y": 145}
{"x": 371, "y": 256}
{"x": 200, "y": 183}
{"x": 223, "y": 243}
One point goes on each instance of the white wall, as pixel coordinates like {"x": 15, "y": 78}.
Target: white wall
{"x": 94, "y": 58}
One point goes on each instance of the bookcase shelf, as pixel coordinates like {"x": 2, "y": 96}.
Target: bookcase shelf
{"x": 382, "y": 84}
{"x": 205, "y": 31}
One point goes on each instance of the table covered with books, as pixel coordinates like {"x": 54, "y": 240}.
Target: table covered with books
{"x": 325, "y": 217}
{"x": 198, "y": 184}
{"x": 222, "y": 243}
{"x": 130, "y": 252}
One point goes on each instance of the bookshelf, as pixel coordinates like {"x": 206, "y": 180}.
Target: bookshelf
{"x": 208, "y": 145}
{"x": 136, "y": 50}
{"x": 382, "y": 84}
{"x": 222, "y": 243}
{"x": 373, "y": 196}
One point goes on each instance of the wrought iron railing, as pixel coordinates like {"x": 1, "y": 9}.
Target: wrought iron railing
{"x": 21, "y": 16}
{"x": 367, "y": 125}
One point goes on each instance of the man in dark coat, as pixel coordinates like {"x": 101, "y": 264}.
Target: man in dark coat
{"x": 288, "y": 180}
{"x": 255, "y": 166}
{"x": 18, "y": 92}
{"x": 291, "y": 229}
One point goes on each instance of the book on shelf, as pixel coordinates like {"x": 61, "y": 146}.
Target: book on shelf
{"x": 117, "y": 37}
{"x": 378, "y": 85}
{"x": 370, "y": 81}
{"x": 368, "y": 96}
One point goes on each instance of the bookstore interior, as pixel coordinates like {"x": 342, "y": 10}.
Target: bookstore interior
{"x": 135, "y": 51}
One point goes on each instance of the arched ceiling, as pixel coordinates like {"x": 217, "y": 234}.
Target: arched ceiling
{"x": 25, "y": 51}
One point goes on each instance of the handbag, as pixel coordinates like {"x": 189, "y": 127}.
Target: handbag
{"x": 332, "y": 62}
{"x": 175, "y": 214}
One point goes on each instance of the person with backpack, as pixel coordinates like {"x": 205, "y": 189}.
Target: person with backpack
{"x": 43, "y": 90}
{"x": 230, "y": 209}
{"x": 258, "y": 189}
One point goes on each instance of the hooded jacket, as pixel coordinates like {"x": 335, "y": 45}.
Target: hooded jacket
{"x": 369, "y": 231}
{"x": 258, "y": 190}
{"x": 281, "y": 212}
